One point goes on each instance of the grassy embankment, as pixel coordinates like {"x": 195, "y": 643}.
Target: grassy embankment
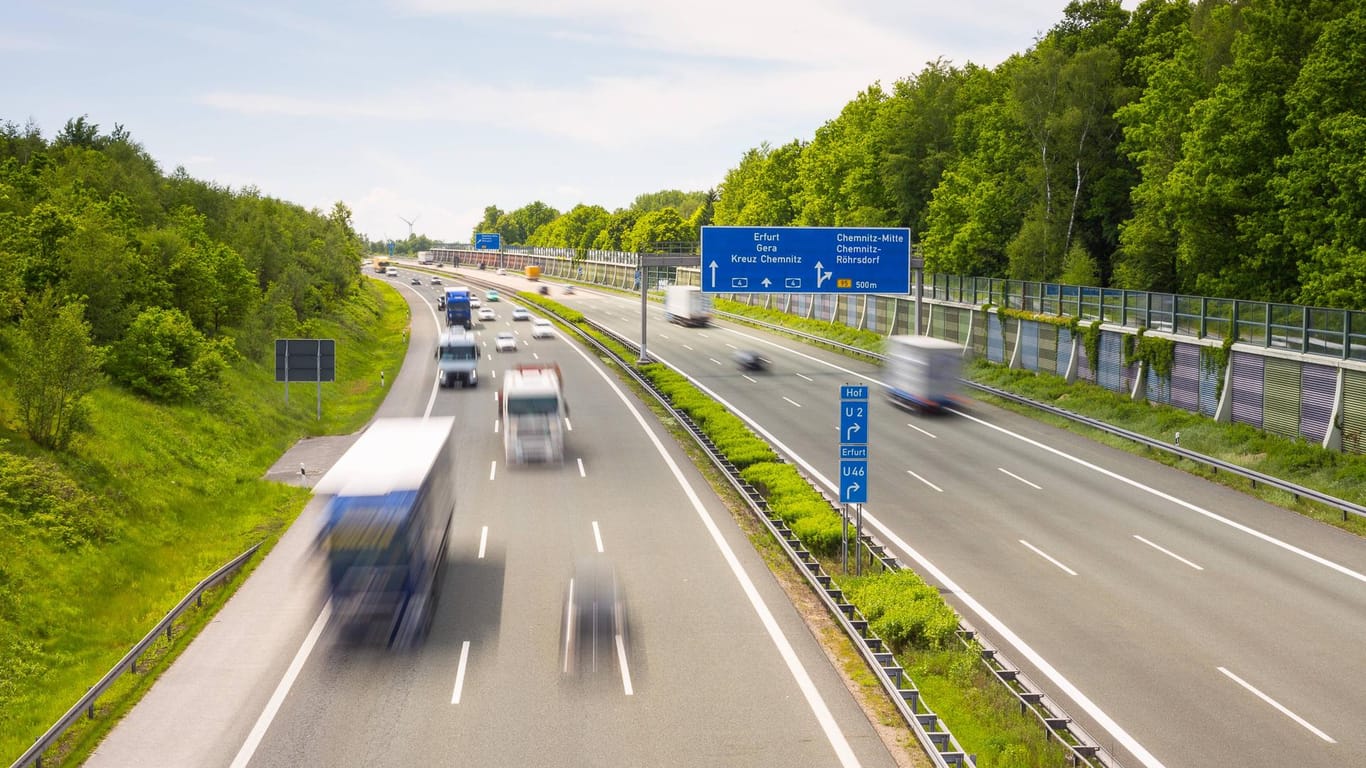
{"x": 97, "y": 544}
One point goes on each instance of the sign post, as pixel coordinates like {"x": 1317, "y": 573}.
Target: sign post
{"x": 853, "y": 465}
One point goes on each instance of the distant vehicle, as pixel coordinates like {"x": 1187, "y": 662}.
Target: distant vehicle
{"x": 595, "y": 620}
{"x": 391, "y": 272}
{"x": 436, "y": 280}
{"x": 416, "y": 281}
{"x": 533, "y": 411}
{"x": 569, "y": 289}
{"x": 390, "y": 500}
{"x": 458, "y": 307}
{"x": 520, "y": 313}
{"x": 487, "y": 313}
{"x": 457, "y": 359}
{"x": 923, "y": 372}
{"x": 491, "y": 296}
{"x": 505, "y": 342}
{"x": 502, "y": 271}
{"x": 544, "y": 290}
{"x": 533, "y": 272}
{"x": 381, "y": 264}
{"x": 542, "y": 329}
{"x": 750, "y": 360}
{"x": 475, "y": 303}
{"x": 687, "y": 305}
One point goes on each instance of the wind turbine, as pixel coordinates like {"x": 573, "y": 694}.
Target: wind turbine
{"x": 409, "y": 222}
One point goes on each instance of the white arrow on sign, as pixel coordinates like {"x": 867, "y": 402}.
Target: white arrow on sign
{"x": 713, "y": 273}
{"x": 853, "y": 488}
{"x": 855, "y": 427}
{"x": 766, "y": 282}
{"x": 821, "y": 275}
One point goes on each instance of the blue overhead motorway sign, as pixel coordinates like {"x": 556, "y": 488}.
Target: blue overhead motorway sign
{"x": 488, "y": 241}
{"x": 806, "y": 259}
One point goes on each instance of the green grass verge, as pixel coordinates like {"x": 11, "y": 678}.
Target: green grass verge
{"x": 99, "y": 543}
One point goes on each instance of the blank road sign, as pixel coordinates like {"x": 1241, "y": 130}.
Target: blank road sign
{"x": 305, "y": 360}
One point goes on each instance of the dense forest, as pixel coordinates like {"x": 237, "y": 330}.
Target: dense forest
{"x": 1213, "y": 148}
{"x": 108, "y": 267}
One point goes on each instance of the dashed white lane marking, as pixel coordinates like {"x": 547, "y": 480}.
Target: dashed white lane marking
{"x": 1047, "y": 557}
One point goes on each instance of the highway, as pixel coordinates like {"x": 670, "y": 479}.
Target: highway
{"x": 717, "y": 667}
{"x": 1180, "y": 622}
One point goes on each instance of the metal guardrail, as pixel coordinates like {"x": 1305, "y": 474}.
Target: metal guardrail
{"x": 1257, "y": 478}
{"x": 34, "y": 755}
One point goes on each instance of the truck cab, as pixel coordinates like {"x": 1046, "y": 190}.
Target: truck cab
{"x": 457, "y": 359}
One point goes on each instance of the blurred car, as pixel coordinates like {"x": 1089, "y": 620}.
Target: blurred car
{"x": 505, "y": 342}
{"x": 487, "y": 313}
{"x": 502, "y": 271}
{"x": 542, "y": 329}
{"x": 491, "y": 296}
{"x": 475, "y": 303}
{"x": 436, "y": 280}
{"x": 569, "y": 289}
{"x": 544, "y": 290}
{"x": 416, "y": 281}
{"x": 749, "y": 360}
{"x": 595, "y": 629}
{"x": 520, "y": 313}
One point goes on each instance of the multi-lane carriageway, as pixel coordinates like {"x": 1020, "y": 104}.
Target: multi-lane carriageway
{"x": 718, "y": 669}
{"x": 1180, "y": 622}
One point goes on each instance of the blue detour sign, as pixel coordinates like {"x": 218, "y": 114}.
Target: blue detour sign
{"x": 806, "y": 259}
{"x": 853, "y": 482}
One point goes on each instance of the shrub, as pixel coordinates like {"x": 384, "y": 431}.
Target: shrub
{"x": 903, "y": 610}
{"x": 164, "y": 357}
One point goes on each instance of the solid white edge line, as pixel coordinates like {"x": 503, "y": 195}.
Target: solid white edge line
{"x": 597, "y": 536}
{"x": 277, "y": 699}
{"x": 794, "y": 402}
{"x": 1168, "y": 553}
{"x": 1278, "y": 706}
{"x": 625, "y": 670}
{"x": 568, "y": 623}
{"x": 923, "y": 480}
{"x": 1007, "y": 634}
{"x": 1272, "y": 540}
{"x": 582, "y": 473}
{"x": 460, "y": 672}
{"x": 493, "y": 469}
{"x": 483, "y": 541}
{"x": 1021, "y": 479}
{"x": 921, "y": 431}
{"x": 813, "y": 697}
{"x": 1042, "y": 554}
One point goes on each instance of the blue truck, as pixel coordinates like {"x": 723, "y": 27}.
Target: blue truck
{"x": 458, "y": 307}
{"x": 390, "y": 500}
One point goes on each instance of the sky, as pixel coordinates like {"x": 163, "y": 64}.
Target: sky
{"x": 431, "y": 110}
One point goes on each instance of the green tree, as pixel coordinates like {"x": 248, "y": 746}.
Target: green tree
{"x": 839, "y": 180}
{"x": 164, "y": 357}
{"x": 662, "y": 226}
{"x": 57, "y": 367}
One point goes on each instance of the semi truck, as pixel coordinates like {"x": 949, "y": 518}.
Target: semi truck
{"x": 381, "y": 264}
{"x": 457, "y": 359}
{"x": 687, "y": 305}
{"x": 458, "y": 307}
{"x": 533, "y": 409}
{"x": 923, "y": 372}
{"x": 533, "y": 272}
{"x": 390, "y": 500}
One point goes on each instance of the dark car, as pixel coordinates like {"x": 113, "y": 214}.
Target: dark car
{"x": 749, "y": 360}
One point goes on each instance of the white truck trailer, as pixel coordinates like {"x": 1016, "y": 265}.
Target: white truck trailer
{"x": 687, "y": 305}
{"x": 533, "y": 411}
{"x": 390, "y": 499}
{"x": 923, "y": 372}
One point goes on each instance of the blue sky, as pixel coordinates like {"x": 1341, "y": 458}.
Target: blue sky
{"x": 437, "y": 108}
